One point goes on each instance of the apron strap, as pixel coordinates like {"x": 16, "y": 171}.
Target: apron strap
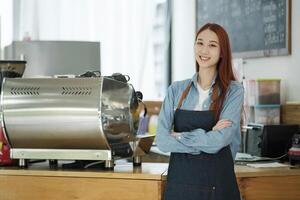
{"x": 184, "y": 94}
{"x": 214, "y": 97}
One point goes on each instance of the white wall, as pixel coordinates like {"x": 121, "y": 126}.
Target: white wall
{"x": 183, "y": 33}
{"x": 285, "y": 67}
{"x": 6, "y": 24}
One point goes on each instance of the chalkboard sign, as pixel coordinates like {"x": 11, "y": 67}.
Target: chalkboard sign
{"x": 256, "y": 28}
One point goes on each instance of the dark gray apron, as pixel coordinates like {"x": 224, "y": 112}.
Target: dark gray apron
{"x": 203, "y": 176}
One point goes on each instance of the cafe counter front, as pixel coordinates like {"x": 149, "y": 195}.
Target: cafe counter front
{"x": 126, "y": 182}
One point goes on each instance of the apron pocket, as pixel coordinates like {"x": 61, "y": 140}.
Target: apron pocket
{"x": 189, "y": 192}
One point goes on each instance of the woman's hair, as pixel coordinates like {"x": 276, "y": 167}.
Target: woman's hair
{"x": 224, "y": 67}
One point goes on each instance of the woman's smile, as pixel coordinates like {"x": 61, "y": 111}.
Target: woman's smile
{"x": 204, "y": 58}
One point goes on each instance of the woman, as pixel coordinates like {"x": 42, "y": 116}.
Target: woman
{"x": 199, "y": 124}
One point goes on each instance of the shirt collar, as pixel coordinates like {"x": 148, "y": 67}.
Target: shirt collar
{"x": 195, "y": 80}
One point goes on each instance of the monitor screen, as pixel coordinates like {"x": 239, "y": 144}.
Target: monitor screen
{"x": 277, "y": 139}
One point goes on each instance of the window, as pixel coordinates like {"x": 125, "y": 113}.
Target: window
{"x": 133, "y": 34}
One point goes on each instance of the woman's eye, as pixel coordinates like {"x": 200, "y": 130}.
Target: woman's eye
{"x": 213, "y": 45}
{"x": 199, "y": 43}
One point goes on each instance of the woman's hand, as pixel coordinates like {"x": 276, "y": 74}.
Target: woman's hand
{"x": 223, "y": 123}
{"x": 176, "y": 135}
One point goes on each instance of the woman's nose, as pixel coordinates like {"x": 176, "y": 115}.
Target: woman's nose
{"x": 203, "y": 50}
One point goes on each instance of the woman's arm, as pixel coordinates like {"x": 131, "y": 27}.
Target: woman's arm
{"x": 164, "y": 140}
{"x": 213, "y": 141}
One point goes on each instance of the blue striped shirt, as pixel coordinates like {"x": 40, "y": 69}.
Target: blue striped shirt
{"x": 198, "y": 140}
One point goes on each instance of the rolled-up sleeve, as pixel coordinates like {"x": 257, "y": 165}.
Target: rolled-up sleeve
{"x": 213, "y": 141}
{"x": 164, "y": 140}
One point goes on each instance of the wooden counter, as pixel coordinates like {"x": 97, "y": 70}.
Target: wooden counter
{"x": 126, "y": 182}
{"x": 265, "y": 184}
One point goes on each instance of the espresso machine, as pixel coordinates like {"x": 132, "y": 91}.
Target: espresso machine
{"x": 54, "y": 119}
{"x": 11, "y": 69}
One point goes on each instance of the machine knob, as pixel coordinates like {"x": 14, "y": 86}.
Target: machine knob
{"x": 139, "y": 95}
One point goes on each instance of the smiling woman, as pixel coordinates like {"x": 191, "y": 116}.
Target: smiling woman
{"x": 199, "y": 123}
{"x": 207, "y": 49}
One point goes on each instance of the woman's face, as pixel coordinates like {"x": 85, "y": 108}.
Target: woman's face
{"x": 207, "y": 49}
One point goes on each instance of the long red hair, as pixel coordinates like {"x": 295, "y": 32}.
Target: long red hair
{"x": 224, "y": 67}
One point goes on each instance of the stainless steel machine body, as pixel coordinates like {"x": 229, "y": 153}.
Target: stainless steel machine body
{"x": 71, "y": 119}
